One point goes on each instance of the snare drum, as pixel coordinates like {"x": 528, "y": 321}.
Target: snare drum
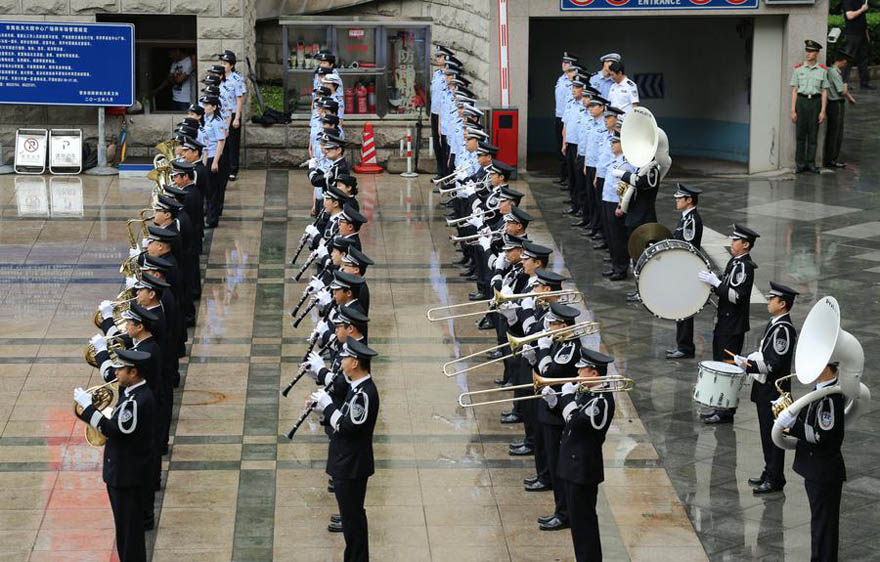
{"x": 666, "y": 278}
{"x": 718, "y": 384}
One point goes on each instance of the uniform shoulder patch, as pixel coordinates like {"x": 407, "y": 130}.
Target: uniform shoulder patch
{"x": 125, "y": 416}
{"x": 630, "y": 82}
{"x": 798, "y": 65}
{"x": 823, "y": 67}
{"x": 826, "y": 414}
{"x": 565, "y": 353}
{"x": 358, "y": 408}
{"x": 781, "y": 341}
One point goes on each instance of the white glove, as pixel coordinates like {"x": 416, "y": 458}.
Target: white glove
{"x": 468, "y": 191}
{"x": 507, "y": 291}
{"x": 321, "y": 251}
{"x": 569, "y": 388}
{"x": 321, "y": 399}
{"x": 485, "y": 243}
{"x": 312, "y": 163}
{"x": 549, "y": 396}
{"x": 83, "y": 398}
{"x": 709, "y": 278}
{"x": 545, "y": 342}
{"x": 755, "y": 356}
{"x": 324, "y": 297}
{"x": 315, "y": 362}
{"x": 322, "y": 328}
{"x": 130, "y": 281}
{"x": 476, "y": 222}
{"x": 528, "y": 303}
{"x": 501, "y": 263}
{"x": 99, "y": 342}
{"x": 617, "y": 173}
{"x": 786, "y": 419}
{"x": 461, "y": 174}
{"x": 132, "y": 252}
{"x": 106, "y": 308}
{"x": 315, "y": 285}
{"x": 508, "y": 313}
{"x": 528, "y": 353}
{"x": 485, "y": 231}
{"x": 145, "y": 242}
{"x": 312, "y": 231}
{"x": 741, "y": 361}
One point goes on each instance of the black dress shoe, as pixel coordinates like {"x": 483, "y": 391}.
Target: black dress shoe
{"x": 558, "y": 181}
{"x": 523, "y": 451}
{"x": 555, "y": 524}
{"x": 512, "y": 418}
{"x": 600, "y": 246}
{"x": 517, "y": 445}
{"x": 495, "y": 354}
{"x": 334, "y": 527}
{"x": 716, "y": 419}
{"x": 597, "y": 235}
{"x": 487, "y": 323}
{"x": 467, "y": 272}
{"x": 835, "y": 165}
{"x": 462, "y": 261}
{"x": 581, "y": 222}
{"x": 499, "y": 381}
{"x": 814, "y": 169}
{"x": 756, "y": 481}
{"x": 608, "y": 273}
{"x": 570, "y": 211}
{"x": 472, "y": 278}
{"x": 766, "y": 488}
{"x": 799, "y": 169}
{"x": 336, "y": 518}
{"x": 477, "y": 296}
{"x": 330, "y": 485}
{"x": 606, "y": 259}
{"x": 530, "y": 479}
{"x": 633, "y": 298}
{"x": 618, "y": 277}
{"x": 537, "y": 486}
{"x": 678, "y": 354}
{"x": 546, "y": 518}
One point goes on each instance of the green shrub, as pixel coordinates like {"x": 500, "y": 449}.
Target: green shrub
{"x": 273, "y": 96}
{"x": 836, "y": 20}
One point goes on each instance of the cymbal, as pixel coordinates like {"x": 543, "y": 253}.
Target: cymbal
{"x": 644, "y": 236}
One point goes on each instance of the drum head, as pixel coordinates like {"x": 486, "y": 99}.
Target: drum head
{"x": 720, "y": 367}
{"x": 668, "y": 283}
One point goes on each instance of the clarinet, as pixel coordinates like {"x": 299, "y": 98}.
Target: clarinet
{"x": 305, "y": 313}
{"x": 301, "y": 419}
{"x": 312, "y": 257}
{"x": 305, "y": 295}
{"x": 305, "y": 239}
{"x": 302, "y": 369}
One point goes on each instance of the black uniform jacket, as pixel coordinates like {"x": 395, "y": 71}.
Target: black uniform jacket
{"x": 819, "y": 429}
{"x": 690, "y": 228}
{"x": 557, "y": 362}
{"x": 734, "y": 293}
{"x": 351, "y": 444}
{"x": 129, "y": 450}
{"x": 777, "y": 350}
{"x": 642, "y": 208}
{"x": 588, "y": 418}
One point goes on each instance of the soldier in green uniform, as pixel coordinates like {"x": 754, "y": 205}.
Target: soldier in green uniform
{"x": 808, "y": 100}
{"x": 838, "y": 94}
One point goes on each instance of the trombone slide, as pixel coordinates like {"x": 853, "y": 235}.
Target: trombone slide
{"x": 609, "y": 383}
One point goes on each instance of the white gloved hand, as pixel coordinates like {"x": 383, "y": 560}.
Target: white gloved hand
{"x": 506, "y": 291}
{"x": 709, "y": 278}
{"x": 99, "y": 342}
{"x": 83, "y": 398}
{"x": 508, "y": 313}
{"x": 315, "y": 285}
{"x": 106, "y": 308}
{"x": 545, "y": 342}
{"x": 485, "y": 243}
{"x": 130, "y": 281}
{"x": 476, "y": 222}
{"x": 528, "y": 353}
{"x": 321, "y": 399}
{"x": 741, "y": 362}
{"x": 322, "y": 328}
{"x": 315, "y": 362}
{"x": 312, "y": 163}
{"x": 617, "y": 173}
{"x": 549, "y": 396}
{"x": 485, "y": 231}
{"x": 569, "y": 388}
{"x": 528, "y": 303}
{"x": 468, "y": 191}
{"x": 132, "y": 252}
{"x": 321, "y": 251}
{"x": 461, "y": 174}
{"x": 324, "y": 297}
{"x": 786, "y": 419}
{"x": 501, "y": 263}
{"x": 755, "y": 356}
{"x": 145, "y": 242}
{"x": 312, "y": 231}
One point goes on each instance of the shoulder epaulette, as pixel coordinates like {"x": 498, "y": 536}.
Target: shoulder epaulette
{"x": 823, "y": 67}
{"x": 798, "y": 65}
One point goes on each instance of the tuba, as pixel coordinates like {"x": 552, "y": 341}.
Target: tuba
{"x": 642, "y": 143}
{"x": 102, "y": 398}
{"x": 821, "y": 342}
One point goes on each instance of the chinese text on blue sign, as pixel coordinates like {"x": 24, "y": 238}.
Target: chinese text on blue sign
{"x": 66, "y": 63}
{"x": 588, "y": 5}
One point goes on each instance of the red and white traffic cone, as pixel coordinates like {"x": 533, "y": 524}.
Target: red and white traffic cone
{"x": 368, "y": 163}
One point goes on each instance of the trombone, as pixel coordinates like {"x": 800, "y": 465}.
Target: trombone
{"x": 593, "y": 385}
{"x": 575, "y": 331}
{"x": 485, "y": 215}
{"x": 475, "y": 238}
{"x": 566, "y": 296}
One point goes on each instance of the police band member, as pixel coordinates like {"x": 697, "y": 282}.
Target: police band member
{"x": 129, "y": 452}
{"x": 350, "y": 456}
{"x": 215, "y": 163}
{"x": 234, "y": 90}
{"x": 734, "y": 290}
{"x": 771, "y": 361}
{"x": 581, "y": 468}
{"x": 438, "y": 87}
{"x": 561, "y": 95}
{"x": 613, "y": 219}
{"x": 809, "y": 98}
{"x": 819, "y": 429}
{"x": 689, "y": 229}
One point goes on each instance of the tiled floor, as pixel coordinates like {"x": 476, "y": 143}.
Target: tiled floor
{"x": 445, "y": 488}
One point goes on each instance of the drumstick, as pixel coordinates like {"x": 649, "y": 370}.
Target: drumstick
{"x": 732, "y": 354}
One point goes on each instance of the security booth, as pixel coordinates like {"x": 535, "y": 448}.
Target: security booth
{"x": 715, "y": 73}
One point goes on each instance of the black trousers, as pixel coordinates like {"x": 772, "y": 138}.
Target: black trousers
{"x": 589, "y": 207}
{"x": 858, "y": 47}
{"x": 774, "y": 457}
{"x": 579, "y": 190}
{"x": 233, "y": 147}
{"x": 350, "y": 494}
{"x": 824, "y": 519}
{"x": 552, "y": 436}
{"x": 438, "y": 146}
{"x": 571, "y": 163}
{"x": 218, "y": 182}
{"x": 835, "y": 112}
{"x": 128, "y": 517}
{"x": 730, "y": 342}
{"x": 563, "y": 166}
{"x": 615, "y": 237}
{"x": 581, "y": 499}
{"x": 684, "y": 336}
{"x": 596, "y": 194}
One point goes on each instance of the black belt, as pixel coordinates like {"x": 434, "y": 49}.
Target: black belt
{"x": 809, "y": 96}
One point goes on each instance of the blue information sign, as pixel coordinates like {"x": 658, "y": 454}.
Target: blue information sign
{"x": 66, "y": 63}
{"x": 591, "y": 5}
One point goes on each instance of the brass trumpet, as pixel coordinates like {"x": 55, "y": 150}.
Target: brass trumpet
{"x": 566, "y": 296}
{"x": 102, "y": 398}
{"x": 118, "y": 307}
{"x": 593, "y": 385}
{"x": 90, "y": 354}
{"x": 485, "y": 215}
{"x": 572, "y": 332}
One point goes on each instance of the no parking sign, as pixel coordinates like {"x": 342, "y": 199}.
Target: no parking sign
{"x": 30, "y": 151}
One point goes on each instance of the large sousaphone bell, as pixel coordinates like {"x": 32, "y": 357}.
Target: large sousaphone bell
{"x": 639, "y": 136}
{"x": 645, "y": 235}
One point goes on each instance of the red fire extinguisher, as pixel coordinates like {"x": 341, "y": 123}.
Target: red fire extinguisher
{"x": 349, "y": 100}
{"x": 371, "y": 97}
{"x": 361, "y": 92}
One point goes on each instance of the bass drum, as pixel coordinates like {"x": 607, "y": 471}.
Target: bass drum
{"x": 666, "y": 278}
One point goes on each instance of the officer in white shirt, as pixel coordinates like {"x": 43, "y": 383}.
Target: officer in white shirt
{"x": 234, "y": 88}
{"x": 623, "y": 94}
{"x": 562, "y": 93}
{"x": 602, "y": 80}
{"x": 570, "y": 118}
{"x": 438, "y": 86}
